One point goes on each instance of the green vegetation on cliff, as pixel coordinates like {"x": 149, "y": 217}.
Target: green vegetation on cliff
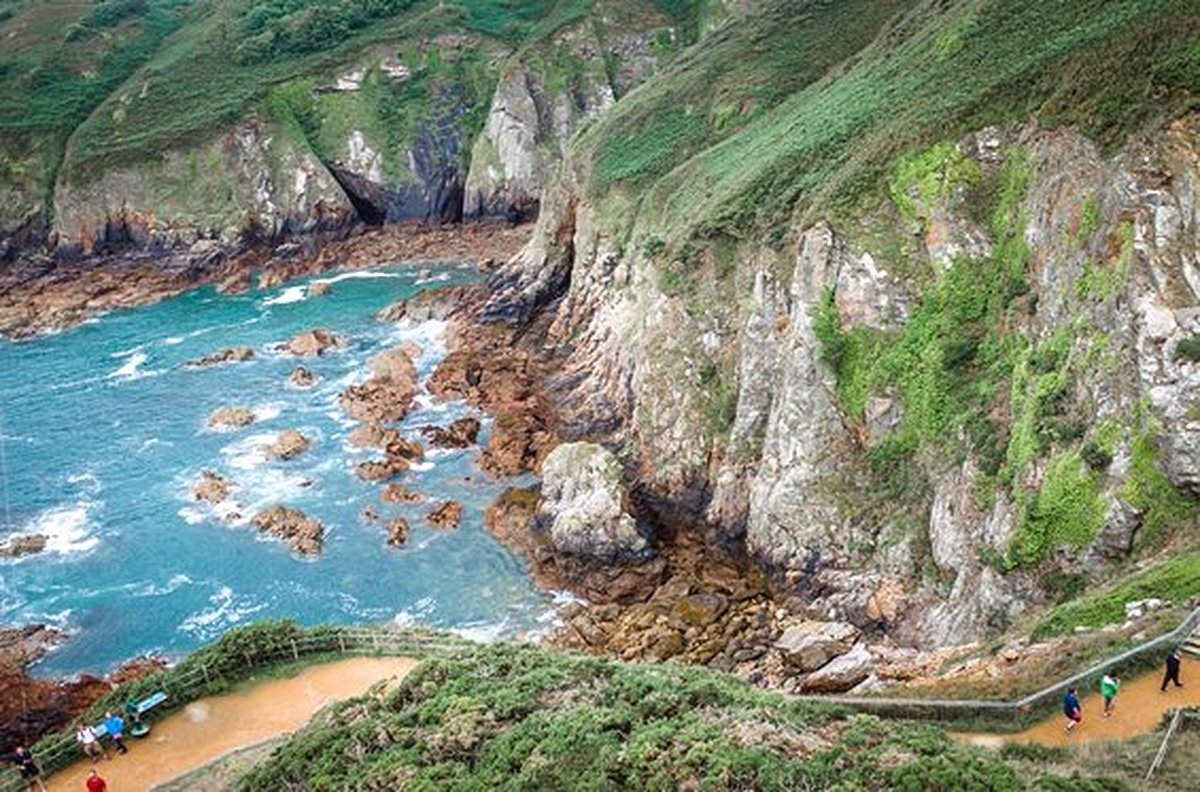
{"x": 521, "y": 717}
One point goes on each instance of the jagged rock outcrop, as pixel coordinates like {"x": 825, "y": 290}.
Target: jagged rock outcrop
{"x": 288, "y": 445}
{"x": 397, "y": 530}
{"x": 231, "y": 417}
{"x": 302, "y": 377}
{"x": 19, "y": 545}
{"x": 388, "y": 394}
{"x": 212, "y": 487}
{"x": 582, "y": 506}
{"x": 302, "y": 533}
{"x": 313, "y": 343}
{"x": 446, "y": 516}
{"x": 461, "y": 433}
{"x": 226, "y": 355}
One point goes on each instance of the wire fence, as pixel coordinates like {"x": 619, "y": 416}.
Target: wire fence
{"x": 60, "y": 750}
{"x": 1018, "y": 712}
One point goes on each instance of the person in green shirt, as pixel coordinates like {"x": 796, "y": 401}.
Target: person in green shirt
{"x": 1109, "y": 685}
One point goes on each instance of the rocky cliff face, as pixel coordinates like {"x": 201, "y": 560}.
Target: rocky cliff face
{"x": 1040, "y": 416}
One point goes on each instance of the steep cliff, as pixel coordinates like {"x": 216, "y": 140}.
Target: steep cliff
{"x": 901, "y": 295}
{"x": 157, "y": 122}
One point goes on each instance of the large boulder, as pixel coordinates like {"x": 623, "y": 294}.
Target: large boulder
{"x": 809, "y": 645}
{"x": 226, "y": 355}
{"x": 288, "y": 445}
{"x": 302, "y": 378}
{"x": 231, "y": 417}
{"x": 303, "y": 533}
{"x": 582, "y": 505}
{"x": 313, "y": 343}
{"x": 459, "y": 434}
{"x": 211, "y": 488}
{"x": 389, "y": 393}
{"x": 841, "y": 673}
{"x": 446, "y": 516}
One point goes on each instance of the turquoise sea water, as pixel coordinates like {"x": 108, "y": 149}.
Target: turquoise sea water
{"x": 102, "y": 434}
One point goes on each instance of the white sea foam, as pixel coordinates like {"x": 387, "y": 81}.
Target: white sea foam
{"x": 267, "y": 410}
{"x": 130, "y": 369}
{"x": 152, "y": 442}
{"x": 68, "y": 529}
{"x": 420, "y": 467}
{"x": 90, "y": 483}
{"x": 151, "y": 589}
{"x": 173, "y": 340}
{"x": 192, "y": 515}
{"x": 484, "y": 632}
{"x": 247, "y": 452}
{"x": 225, "y": 610}
{"x": 127, "y": 352}
{"x": 360, "y": 275}
{"x": 438, "y": 278}
{"x": 292, "y": 294}
{"x": 419, "y": 611}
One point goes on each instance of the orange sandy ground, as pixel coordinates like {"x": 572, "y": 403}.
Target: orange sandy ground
{"x": 1138, "y": 709}
{"x": 210, "y": 728}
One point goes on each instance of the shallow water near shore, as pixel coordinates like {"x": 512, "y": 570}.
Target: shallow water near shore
{"x": 102, "y": 435}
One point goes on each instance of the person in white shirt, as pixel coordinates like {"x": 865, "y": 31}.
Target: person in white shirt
{"x": 89, "y": 742}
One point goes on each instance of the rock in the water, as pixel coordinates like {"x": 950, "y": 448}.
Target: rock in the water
{"x": 388, "y": 394}
{"x": 841, "y": 673}
{"x": 581, "y": 505}
{"x": 369, "y": 513}
{"x": 231, "y": 417}
{"x": 211, "y": 488}
{"x": 380, "y": 470}
{"x": 302, "y": 378}
{"x": 397, "y": 531}
{"x": 459, "y": 434}
{"x": 22, "y": 545}
{"x": 303, "y": 533}
{"x": 318, "y": 288}
{"x": 288, "y": 445}
{"x": 445, "y": 516}
{"x": 313, "y": 343}
{"x": 430, "y": 304}
{"x": 226, "y": 355}
{"x": 398, "y": 493}
{"x": 809, "y": 645}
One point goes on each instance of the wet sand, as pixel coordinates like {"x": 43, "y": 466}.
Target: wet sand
{"x": 1138, "y": 709}
{"x": 210, "y": 728}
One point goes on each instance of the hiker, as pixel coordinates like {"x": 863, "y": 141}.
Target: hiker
{"x": 1172, "y": 674}
{"x": 89, "y": 742}
{"x": 95, "y": 783}
{"x": 30, "y": 771}
{"x": 115, "y": 726}
{"x": 1109, "y": 685}
{"x": 1072, "y": 709}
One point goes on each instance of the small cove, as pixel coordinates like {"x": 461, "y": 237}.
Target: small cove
{"x": 104, "y": 434}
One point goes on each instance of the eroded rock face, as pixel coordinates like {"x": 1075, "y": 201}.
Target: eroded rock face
{"x": 288, "y": 445}
{"x": 231, "y": 417}
{"x": 302, "y": 533}
{"x": 226, "y": 355}
{"x": 582, "y": 506}
{"x": 313, "y": 343}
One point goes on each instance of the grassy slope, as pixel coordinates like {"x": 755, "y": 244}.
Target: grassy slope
{"x": 520, "y": 717}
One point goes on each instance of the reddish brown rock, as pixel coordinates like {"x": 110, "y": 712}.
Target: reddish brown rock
{"x": 377, "y": 470}
{"x": 231, "y": 417}
{"x": 288, "y": 445}
{"x": 429, "y": 304}
{"x": 302, "y": 378}
{"x": 447, "y": 516}
{"x": 398, "y": 493}
{"x": 388, "y": 394}
{"x": 397, "y": 531}
{"x": 303, "y": 533}
{"x": 313, "y": 343}
{"x": 211, "y": 488}
{"x": 459, "y": 434}
{"x": 226, "y": 355}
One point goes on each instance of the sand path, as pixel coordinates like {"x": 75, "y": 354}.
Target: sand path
{"x": 1139, "y": 709}
{"x": 210, "y": 728}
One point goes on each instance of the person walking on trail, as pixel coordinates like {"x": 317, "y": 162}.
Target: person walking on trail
{"x": 96, "y": 783}
{"x": 1172, "y": 674}
{"x": 115, "y": 726}
{"x": 1072, "y": 709}
{"x": 1109, "y": 685}
{"x": 30, "y": 772}
{"x": 89, "y": 742}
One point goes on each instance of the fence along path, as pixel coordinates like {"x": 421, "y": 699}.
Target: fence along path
{"x": 419, "y": 643}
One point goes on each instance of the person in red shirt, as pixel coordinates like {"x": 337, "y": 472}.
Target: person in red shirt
{"x": 95, "y": 783}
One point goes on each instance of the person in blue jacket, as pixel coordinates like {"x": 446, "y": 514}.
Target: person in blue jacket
{"x": 1072, "y": 709}
{"x": 114, "y": 724}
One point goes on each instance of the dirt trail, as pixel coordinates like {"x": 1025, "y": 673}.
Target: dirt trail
{"x": 210, "y": 728}
{"x": 1139, "y": 709}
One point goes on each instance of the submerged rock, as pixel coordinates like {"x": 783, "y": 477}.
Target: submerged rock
{"x": 302, "y": 533}
{"x": 446, "y": 516}
{"x": 226, "y": 355}
{"x": 211, "y": 488}
{"x": 398, "y": 493}
{"x": 231, "y": 417}
{"x": 318, "y": 289}
{"x": 582, "y": 505}
{"x": 302, "y": 378}
{"x": 22, "y": 545}
{"x": 313, "y": 343}
{"x": 288, "y": 445}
